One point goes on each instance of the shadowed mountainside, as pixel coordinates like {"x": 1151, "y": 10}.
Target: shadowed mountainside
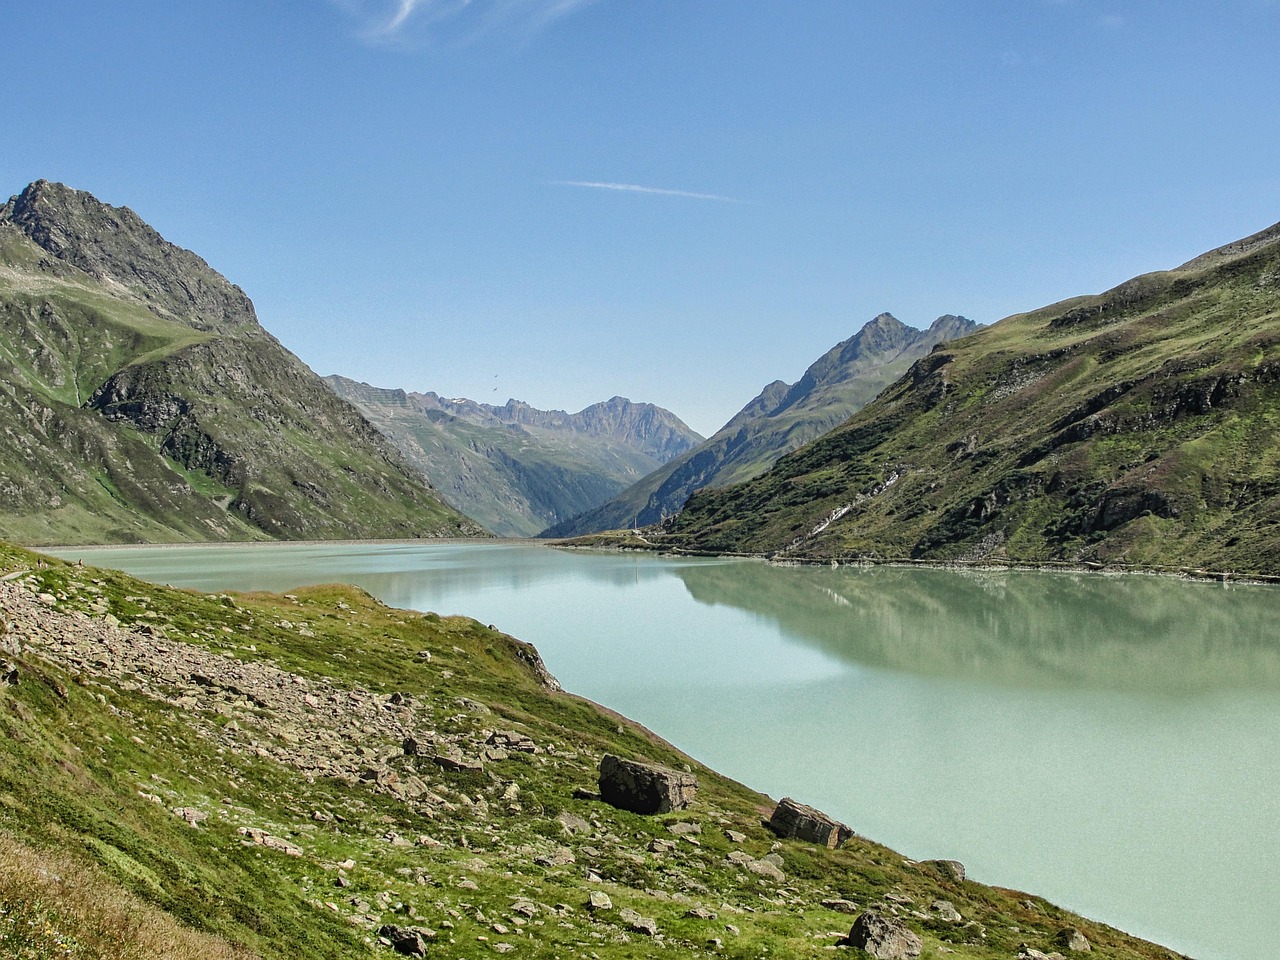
{"x": 142, "y": 401}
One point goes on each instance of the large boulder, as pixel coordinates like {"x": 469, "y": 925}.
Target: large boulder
{"x": 643, "y": 787}
{"x": 793, "y": 819}
{"x": 884, "y": 937}
{"x": 1074, "y": 940}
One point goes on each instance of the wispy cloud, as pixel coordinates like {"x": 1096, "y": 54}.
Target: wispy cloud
{"x": 409, "y": 22}
{"x": 637, "y": 188}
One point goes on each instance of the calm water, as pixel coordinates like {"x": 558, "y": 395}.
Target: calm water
{"x": 1111, "y": 743}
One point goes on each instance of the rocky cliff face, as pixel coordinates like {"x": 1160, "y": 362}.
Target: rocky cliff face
{"x": 780, "y": 419}
{"x": 1134, "y": 427}
{"x": 143, "y": 401}
{"x": 515, "y": 468}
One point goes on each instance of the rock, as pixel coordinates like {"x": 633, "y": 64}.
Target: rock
{"x": 644, "y": 788}
{"x": 637, "y": 923}
{"x": 951, "y": 869}
{"x": 883, "y": 937}
{"x": 410, "y": 941}
{"x": 512, "y": 741}
{"x": 571, "y": 824}
{"x": 8, "y": 673}
{"x": 599, "y": 900}
{"x": 793, "y": 819}
{"x": 559, "y": 857}
{"x": 840, "y": 905}
{"x": 733, "y": 836}
{"x": 683, "y": 829}
{"x": 946, "y": 910}
{"x": 1073, "y": 939}
{"x": 700, "y": 913}
{"x": 1031, "y": 953}
{"x": 458, "y": 763}
{"x": 658, "y": 845}
{"x": 766, "y": 869}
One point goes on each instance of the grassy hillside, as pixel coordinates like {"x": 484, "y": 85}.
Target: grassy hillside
{"x": 141, "y": 401}
{"x": 780, "y": 419}
{"x": 1137, "y": 427}
{"x": 261, "y": 771}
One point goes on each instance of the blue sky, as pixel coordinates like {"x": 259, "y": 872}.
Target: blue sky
{"x": 413, "y": 193}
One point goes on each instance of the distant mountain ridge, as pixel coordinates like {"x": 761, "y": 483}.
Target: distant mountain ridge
{"x": 514, "y": 468}
{"x": 781, "y": 418}
{"x": 1136, "y": 427}
{"x": 142, "y": 400}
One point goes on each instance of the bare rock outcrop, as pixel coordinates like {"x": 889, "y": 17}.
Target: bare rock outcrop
{"x": 643, "y": 787}
{"x": 793, "y": 819}
{"x": 884, "y": 937}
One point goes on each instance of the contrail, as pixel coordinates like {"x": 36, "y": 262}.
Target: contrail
{"x": 637, "y": 188}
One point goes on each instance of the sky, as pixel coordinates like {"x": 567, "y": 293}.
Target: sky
{"x": 676, "y": 201}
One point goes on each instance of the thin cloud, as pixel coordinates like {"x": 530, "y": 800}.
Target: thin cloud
{"x": 637, "y": 188}
{"x": 407, "y": 22}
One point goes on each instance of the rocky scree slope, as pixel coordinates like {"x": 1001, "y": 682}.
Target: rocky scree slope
{"x": 141, "y": 400}
{"x": 315, "y": 774}
{"x": 780, "y": 419}
{"x": 514, "y": 468}
{"x": 1135, "y": 428}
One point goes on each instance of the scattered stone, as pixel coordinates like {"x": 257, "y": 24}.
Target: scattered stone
{"x": 700, "y": 913}
{"x": 840, "y": 905}
{"x": 946, "y": 910}
{"x": 638, "y": 924}
{"x": 1072, "y": 939}
{"x": 571, "y": 824}
{"x": 884, "y": 937}
{"x": 193, "y": 816}
{"x": 793, "y": 819}
{"x": 559, "y": 857}
{"x": 733, "y": 836}
{"x": 599, "y": 900}
{"x": 644, "y": 788}
{"x": 458, "y": 763}
{"x": 272, "y": 843}
{"x": 1031, "y": 953}
{"x": 658, "y": 845}
{"x": 766, "y": 869}
{"x": 951, "y": 869}
{"x": 410, "y": 941}
{"x": 512, "y": 741}
{"x": 683, "y": 829}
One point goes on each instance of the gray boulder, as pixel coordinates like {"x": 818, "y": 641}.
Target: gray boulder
{"x": 884, "y": 937}
{"x": 410, "y": 941}
{"x": 1073, "y": 939}
{"x": 793, "y": 819}
{"x": 643, "y": 787}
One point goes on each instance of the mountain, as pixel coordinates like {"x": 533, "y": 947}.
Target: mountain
{"x": 782, "y": 418}
{"x": 517, "y": 469}
{"x": 141, "y": 400}
{"x": 1136, "y": 427}
{"x": 362, "y": 782}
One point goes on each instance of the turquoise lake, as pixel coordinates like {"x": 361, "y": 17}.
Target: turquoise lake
{"x": 1109, "y": 742}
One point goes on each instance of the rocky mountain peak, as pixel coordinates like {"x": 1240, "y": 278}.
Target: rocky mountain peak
{"x": 115, "y": 244}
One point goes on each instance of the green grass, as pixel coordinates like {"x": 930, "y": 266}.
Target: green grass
{"x": 93, "y": 767}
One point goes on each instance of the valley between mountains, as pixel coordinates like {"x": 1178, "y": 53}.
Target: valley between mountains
{"x": 317, "y": 774}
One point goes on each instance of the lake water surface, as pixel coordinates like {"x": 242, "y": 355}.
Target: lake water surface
{"x": 1111, "y": 743}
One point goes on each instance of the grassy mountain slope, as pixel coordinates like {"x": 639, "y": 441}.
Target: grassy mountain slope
{"x": 261, "y": 771}
{"x": 780, "y": 419}
{"x": 141, "y": 400}
{"x": 1136, "y": 427}
{"x": 516, "y": 469}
